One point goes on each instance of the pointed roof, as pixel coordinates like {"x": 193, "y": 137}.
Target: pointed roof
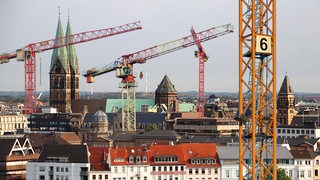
{"x": 286, "y": 87}
{"x": 72, "y": 55}
{"x": 59, "y": 53}
{"x": 165, "y": 86}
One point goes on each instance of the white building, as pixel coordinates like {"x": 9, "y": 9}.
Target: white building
{"x": 12, "y": 123}
{"x": 60, "y": 162}
{"x": 304, "y": 165}
{"x": 309, "y": 129}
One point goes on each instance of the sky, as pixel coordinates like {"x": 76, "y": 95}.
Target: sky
{"x": 25, "y": 22}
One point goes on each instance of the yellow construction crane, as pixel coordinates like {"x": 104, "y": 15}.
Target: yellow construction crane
{"x": 257, "y": 97}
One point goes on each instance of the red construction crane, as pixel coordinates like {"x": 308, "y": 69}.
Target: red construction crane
{"x": 28, "y": 55}
{"x": 202, "y": 59}
{"x": 124, "y": 68}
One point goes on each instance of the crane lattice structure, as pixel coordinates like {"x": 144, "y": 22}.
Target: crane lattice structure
{"x": 28, "y": 55}
{"x": 124, "y": 68}
{"x": 202, "y": 59}
{"x": 257, "y": 97}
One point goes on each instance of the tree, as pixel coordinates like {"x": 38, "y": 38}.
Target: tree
{"x": 151, "y": 127}
{"x": 281, "y": 175}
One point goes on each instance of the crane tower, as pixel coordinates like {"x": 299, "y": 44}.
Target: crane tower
{"x": 257, "y": 97}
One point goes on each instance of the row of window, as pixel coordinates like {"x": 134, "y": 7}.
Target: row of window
{"x": 203, "y": 161}
{"x": 295, "y": 131}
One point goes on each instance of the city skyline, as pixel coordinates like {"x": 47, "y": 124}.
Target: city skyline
{"x": 162, "y": 21}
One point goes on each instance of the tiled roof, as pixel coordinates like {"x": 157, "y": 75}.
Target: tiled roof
{"x": 98, "y": 157}
{"x": 38, "y": 139}
{"x": 298, "y": 141}
{"x": 73, "y": 153}
{"x": 301, "y": 154}
{"x": 182, "y": 154}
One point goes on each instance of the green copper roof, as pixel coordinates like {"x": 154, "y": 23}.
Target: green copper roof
{"x": 60, "y": 53}
{"x": 117, "y": 103}
{"x": 72, "y": 55}
{"x": 186, "y": 107}
{"x": 165, "y": 86}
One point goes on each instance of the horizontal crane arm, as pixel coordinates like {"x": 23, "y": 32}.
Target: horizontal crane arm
{"x": 72, "y": 39}
{"x": 162, "y": 49}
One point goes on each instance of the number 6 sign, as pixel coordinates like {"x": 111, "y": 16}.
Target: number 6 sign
{"x": 263, "y": 44}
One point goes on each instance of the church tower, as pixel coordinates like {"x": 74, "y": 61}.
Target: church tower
{"x": 167, "y": 94}
{"x": 60, "y": 77}
{"x": 74, "y": 67}
{"x": 285, "y": 103}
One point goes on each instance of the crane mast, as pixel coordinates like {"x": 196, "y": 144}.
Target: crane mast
{"x": 27, "y": 54}
{"x": 124, "y": 68}
{"x": 202, "y": 59}
{"x": 257, "y": 97}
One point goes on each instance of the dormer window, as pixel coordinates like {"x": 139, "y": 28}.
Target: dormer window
{"x": 130, "y": 159}
{"x": 144, "y": 158}
{"x": 138, "y": 159}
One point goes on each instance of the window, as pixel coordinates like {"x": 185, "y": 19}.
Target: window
{"x": 209, "y": 171}
{"x": 309, "y": 174}
{"x": 301, "y": 173}
{"x": 153, "y": 168}
{"x": 144, "y": 158}
{"x": 190, "y": 171}
{"x": 290, "y": 173}
{"x": 93, "y": 176}
{"x": 227, "y": 173}
{"x": 316, "y": 173}
{"x": 215, "y": 170}
{"x": 237, "y": 173}
{"x": 115, "y": 169}
{"x": 42, "y": 168}
{"x": 131, "y": 159}
{"x": 41, "y": 177}
{"x": 197, "y": 171}
{"x": 106, "y": 176}
{"x": 203, "y": 171}
{"x": 57, "y": 169}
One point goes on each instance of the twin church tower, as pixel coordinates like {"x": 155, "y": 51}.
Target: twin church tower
{"x": 64, "y": 73}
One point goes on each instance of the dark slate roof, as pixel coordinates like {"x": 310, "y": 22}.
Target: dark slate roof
{"x": 6, "y": 146}
{"x": 208, "y": 139}
{"x": 159, "y": 134}
{"x": 150, "y": 118}
{"x": 286, "y": 87}
{"x": 165, "y": 86}
{"x": 297, "y": 141}
{"x": 74, "y": 153}
{"x": 122, "y": 137}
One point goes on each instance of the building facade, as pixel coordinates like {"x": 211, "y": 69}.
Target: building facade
{"x": 67, "y": 162}
{"x": 166, "y": 97}
{"x": 285, "y": 103}
{"x": 14, "y": 155}
{"x": 12, "y": 123}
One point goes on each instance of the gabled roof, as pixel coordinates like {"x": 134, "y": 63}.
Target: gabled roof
{"x": 72, "y": 55}
{"x": 98, "y": 157}
{"x": 199, "y": 151}
{"x": 60, "y": 54}
{"x": 286, "y": 87}
{"x": 72, "y": 153}
{"x": 166, "y": 86}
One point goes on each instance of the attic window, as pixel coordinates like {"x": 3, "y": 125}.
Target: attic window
{"x": 138, "y": 159}
{"x": 131, "y": 159}
{"x": 144, "y": 158}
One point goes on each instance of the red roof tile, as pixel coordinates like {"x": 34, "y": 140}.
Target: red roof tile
{"x": 98, "y": 157}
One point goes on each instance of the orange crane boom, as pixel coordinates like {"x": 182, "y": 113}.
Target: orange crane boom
{"x": 27, "y": 54}
{"x": 124, "y": 68}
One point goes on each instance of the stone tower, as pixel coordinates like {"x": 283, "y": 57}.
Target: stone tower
{"x": 285, "y": 103}
{"x": 60, "y": 77}
{"x": 166, "y": 94}
{"x": 74, "y": 67}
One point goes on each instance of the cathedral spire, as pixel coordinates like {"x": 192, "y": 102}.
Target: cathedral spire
{"x": 59, "y": 54}
{"x": 286, "y": 87}
{"x": 73, "y": 60}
